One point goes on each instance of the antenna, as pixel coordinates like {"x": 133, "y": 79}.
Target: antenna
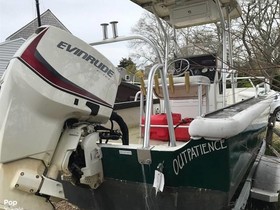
{"x": 38, "y": 13}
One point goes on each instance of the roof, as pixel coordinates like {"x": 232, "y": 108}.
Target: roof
{"x": 47, "y": 18}
{"x": 7, "y": 51}
{"x": 14, "y": 41}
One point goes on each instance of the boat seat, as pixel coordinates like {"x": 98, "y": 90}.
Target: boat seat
{"x": 183, "y": 89}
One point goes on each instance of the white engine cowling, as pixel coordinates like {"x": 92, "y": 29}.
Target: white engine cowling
{"x": 53, "y": 77}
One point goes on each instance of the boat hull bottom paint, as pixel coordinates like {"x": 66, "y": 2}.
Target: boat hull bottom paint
{"x": 116, "y": 195}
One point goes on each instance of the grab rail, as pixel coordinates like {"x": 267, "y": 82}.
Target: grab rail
{"x": 264, "y": 84}
{"x": 146, "y": 142}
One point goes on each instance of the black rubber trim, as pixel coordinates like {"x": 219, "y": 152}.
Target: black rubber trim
{"x": 93, "y": 107}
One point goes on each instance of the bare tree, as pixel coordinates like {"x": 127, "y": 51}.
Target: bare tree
{"x": 190, "y": 41}
{"x": 256, "y": 38}
{"x": 149, "y": 27}
{"x": 204, "y": 39}
{"x": 260, "y": 27}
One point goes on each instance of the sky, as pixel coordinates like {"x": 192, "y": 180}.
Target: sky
{"x": 82, "y": 18}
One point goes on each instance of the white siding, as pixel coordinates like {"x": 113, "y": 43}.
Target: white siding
{"x": 7, "y": 51}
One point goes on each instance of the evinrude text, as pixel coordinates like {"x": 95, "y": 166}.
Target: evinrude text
{"x": 87, "y": 57}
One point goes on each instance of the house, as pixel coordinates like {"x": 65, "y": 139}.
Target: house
{"x": 14, "y": 41}
{"x": 7, "y": 51}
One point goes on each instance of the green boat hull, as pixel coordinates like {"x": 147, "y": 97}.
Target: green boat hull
{"x": 200, "y": 175}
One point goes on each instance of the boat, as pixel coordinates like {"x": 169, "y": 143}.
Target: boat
{"x": 130, "y": 104}
{"x": 195, "y": 153}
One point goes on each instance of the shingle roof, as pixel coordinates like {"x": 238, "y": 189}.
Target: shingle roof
{"x": 47, "y": 18}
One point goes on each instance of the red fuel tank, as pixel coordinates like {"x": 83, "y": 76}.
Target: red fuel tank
{"x": 159, "y": 127}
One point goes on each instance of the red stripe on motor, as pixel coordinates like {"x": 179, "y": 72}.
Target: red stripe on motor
{"x": 52, "y": 76}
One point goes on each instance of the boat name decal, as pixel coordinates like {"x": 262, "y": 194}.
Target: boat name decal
{"x": 196, "y": 151}
{"x": 87, "y": 57}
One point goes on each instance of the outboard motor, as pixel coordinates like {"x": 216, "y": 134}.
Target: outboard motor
{"x": 55, "y": 89}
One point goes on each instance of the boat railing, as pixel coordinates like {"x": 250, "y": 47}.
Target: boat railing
{"x": 188, "y": 87}
{"x": 149, "y": 99}
{"x": 260, "y": 88}
{"x": 162, "y": 68}
{"x": 263, "y": 87}
{"x": 137, "y": 95}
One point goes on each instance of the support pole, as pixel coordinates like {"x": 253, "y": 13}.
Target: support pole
{"x": 224, "y": 43}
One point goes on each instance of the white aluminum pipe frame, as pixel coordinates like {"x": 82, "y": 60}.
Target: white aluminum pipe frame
{"x": 127, "y": 38}
{"x": 199, "y": 91}
{"x": 233, "y": 80}
{"x": 224, "y": 59}
{"x": 146, "y": 142}
{"x": 163, "y": 73}
{"x": 200, "y": 99}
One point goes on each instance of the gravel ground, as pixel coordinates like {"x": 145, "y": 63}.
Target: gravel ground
{"x": 64, "y": 205}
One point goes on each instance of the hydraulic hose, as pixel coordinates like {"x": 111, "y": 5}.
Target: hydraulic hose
{"x": 124, "y": 129}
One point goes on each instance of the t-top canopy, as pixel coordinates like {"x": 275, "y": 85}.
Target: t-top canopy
{"x": 184, "y": 13}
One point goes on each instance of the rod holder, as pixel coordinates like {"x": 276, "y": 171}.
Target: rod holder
{"x": 114, "y": 28}
{"x": 105, "y": 30}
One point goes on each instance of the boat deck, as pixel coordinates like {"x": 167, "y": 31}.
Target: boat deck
{"x": 135, "y": 136}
